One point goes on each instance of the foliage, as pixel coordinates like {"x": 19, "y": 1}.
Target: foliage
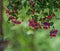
{"x": 24, "y": 37}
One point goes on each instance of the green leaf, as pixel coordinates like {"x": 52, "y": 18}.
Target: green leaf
{"x": 45, "y": 13}
{"x": 51, "y": 23}
{"x": 38, "y": 10}
{"x": 35, "y": 17}
{"x": 25, "y": 4}
{"x": 28, "y": 12}
{"x": 47, "y": 20}
{"x": 9, "y": 7}
{"x": 18, "y": 2}
{"x": 55, "y": 10}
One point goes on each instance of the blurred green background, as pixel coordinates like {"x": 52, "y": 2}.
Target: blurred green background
{"x": 22, "y": 38}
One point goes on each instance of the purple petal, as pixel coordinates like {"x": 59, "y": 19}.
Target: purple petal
{"x": 46, "y": 24}
{"x": 55, "y": 31}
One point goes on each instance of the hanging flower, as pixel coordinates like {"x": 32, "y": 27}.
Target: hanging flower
{"x": 53, "y": 33}
{"x": 34, "y": 24}
{"x": 13, "y": 20}
{"x": 49, "y": 17}
{"x": 11, "y": 17}
{"x": 46, "y": 25}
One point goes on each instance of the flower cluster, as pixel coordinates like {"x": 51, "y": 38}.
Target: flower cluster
{"x": 35, "y": 25}
{"x": 12, "y": 11}
{"x": 36, "y": 7}
{"x": 48, "y": 17}
{"x": 13, "y": 20}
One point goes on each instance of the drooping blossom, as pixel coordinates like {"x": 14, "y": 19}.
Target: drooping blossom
{"x": 16, "y": 22}
{"x": 53, "y": 33}
{"x": 35, "y": 25}
{"x": 46, "y": 25}
{"x": 13, "y": 20}
{"x": 48, "y": 17}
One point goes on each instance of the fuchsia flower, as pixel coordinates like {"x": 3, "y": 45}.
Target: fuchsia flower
{"x": 11, "y": 17}
{"x": 48, "y": 17}
{"x": 46, "y": 25}
{"x": 35, "y": 25}
{"x": 14, "y": 20}
{"x": 53, "y": 33}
